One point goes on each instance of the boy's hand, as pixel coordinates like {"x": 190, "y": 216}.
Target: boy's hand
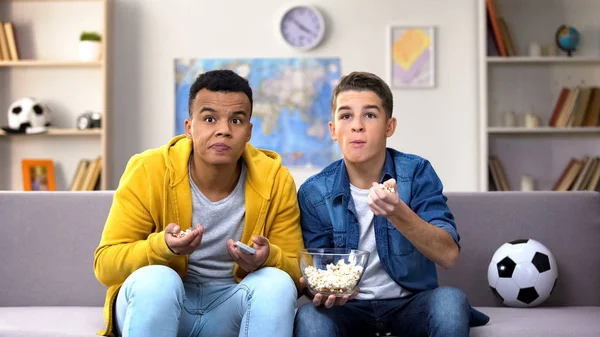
{"x": 248, "y": 262}
{"x": 183, "y": 245}
{"x": 384, "y": 200}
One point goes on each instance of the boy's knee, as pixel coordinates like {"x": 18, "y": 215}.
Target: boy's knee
{"x": 449, "y": 310}
{"x": 309, "y": 322}
{"x": 277, "y": 281}
{"x": 157, "y": 281}
{"x": 449, "y": 298}
{"x": 306, "y": 314}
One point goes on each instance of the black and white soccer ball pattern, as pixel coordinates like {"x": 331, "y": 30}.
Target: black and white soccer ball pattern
{"x": 522, "y": 273}
{"x": 26, "y": 113}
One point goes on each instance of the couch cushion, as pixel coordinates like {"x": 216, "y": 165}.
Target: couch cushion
{"x": 50, "y": 321}
{"x": 505, "y": 322}
{"x": 540, "y": 322}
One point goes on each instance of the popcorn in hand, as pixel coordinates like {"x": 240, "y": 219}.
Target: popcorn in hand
{"x": 182, "y": 233}
{"x": 386, "y": 188}
{"x": 337, "y": 278}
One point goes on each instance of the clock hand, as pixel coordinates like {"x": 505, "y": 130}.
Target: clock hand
{"x": 302, "y": 27}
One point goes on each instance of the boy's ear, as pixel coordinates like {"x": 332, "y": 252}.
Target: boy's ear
{"x": 332, "y": 130}
{"x": 187, "y": 126}
{"x": 251, "y": 126}
{"x": 391, "y": 127}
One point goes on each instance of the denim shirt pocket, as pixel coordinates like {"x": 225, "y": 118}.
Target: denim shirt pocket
{"x": 398, "y": 244}
{"x": 339, "y": 238}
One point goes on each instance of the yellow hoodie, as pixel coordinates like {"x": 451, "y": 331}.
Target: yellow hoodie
{"x": 155, "y": 191}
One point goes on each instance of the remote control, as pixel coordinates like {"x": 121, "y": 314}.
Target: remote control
{"x": 245, "y": 248}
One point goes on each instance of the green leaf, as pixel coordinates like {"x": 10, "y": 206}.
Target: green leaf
{"x": 90, "y": 36}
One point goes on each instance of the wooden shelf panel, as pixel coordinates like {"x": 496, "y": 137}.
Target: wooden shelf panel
{"x": 543, "y": 130}
{"x": 50, "y": 63}
{"x": 541, "y": 59}
{"x": 59, "y": 132}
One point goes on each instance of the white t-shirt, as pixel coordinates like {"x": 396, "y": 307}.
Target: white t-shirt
{"x": 376, "y": 284}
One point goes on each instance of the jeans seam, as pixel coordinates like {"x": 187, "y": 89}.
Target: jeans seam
{"x": 247, "y": 327}
{"x": 428, "y": 324}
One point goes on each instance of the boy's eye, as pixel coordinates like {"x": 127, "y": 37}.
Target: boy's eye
{"x": 371, "y": 115}
{"x": 237, "y": 121}
{"x": 209, "y": 119}
{"x": 345, "y": 116}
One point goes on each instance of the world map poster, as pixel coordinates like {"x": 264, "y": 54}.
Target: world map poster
{"x": 291, "y": 109}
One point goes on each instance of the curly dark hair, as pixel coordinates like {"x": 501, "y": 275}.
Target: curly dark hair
{"x": 219, "y": 80}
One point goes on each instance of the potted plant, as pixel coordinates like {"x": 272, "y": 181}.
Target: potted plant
{"x": 90, "y": 46}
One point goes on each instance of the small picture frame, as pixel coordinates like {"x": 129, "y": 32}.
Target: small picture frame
{"x": 411, "y": 56}
{"x": 38, "y": 175}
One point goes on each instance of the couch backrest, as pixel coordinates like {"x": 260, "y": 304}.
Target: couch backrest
{"x": 47, "y": 243}
{"x": 567, "y": 223}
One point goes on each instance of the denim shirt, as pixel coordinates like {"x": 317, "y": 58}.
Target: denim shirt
{"x": 329, "y": 219}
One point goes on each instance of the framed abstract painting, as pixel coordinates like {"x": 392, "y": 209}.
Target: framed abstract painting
{"x": 411, "y": 56}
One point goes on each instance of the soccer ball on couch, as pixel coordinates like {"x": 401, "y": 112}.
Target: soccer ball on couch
{"x": 522, "y": 273}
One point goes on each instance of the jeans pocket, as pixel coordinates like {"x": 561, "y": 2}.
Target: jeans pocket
{"x": 399, "y": 245}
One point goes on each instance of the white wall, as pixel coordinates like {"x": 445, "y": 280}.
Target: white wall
{"x": 439, "y": 124}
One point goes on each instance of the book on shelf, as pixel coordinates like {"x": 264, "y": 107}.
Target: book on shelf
{"x": 594, "y": 183}
{"x": 506, "y": 38}
{"x": 580, "y": 174}
{"x": 498, "y": 32}
{"x": 87, "y": 175}
{"x": 8, "y": 42}
{"x": 576, "y": 107}
{"x": 4, "y": 52}
{"x": 498, "y": 175}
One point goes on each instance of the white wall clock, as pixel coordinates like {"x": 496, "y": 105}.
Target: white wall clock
{"x": 302, "y": 27}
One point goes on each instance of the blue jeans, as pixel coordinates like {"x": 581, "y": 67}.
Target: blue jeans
{"x": 440, "y": 312}
{"x": 154, "y": 301}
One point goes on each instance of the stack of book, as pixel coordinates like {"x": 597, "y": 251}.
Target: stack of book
{"x": 87, "y": 175}
{"x": 580, "y": 174}
{"x": 8, "y": 44}
{"x": 577, "y": 107}
{"x": 498, "y": 180}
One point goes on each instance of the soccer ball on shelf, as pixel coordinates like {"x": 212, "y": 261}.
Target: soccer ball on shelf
{"x": 522, "y": 273}
{"x": 27, "y": 115}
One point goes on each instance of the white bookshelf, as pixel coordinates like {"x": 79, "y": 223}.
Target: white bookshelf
{"x": 523, "y": 84}
{"x": 47, "y": 35}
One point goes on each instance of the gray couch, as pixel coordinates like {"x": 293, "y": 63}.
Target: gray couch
{"x": 47, "y": 241}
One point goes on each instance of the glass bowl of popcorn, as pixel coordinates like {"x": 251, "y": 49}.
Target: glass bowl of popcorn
{"x": 332, "y": 271}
